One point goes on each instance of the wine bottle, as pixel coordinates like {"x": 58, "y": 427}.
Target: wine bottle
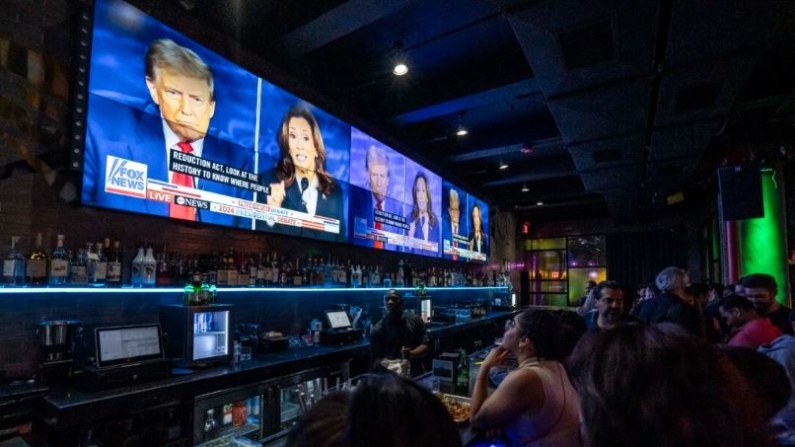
{"x": 36, "y": 270}
{"x": 14, "y": 265}
{"x": 59, "y": 264}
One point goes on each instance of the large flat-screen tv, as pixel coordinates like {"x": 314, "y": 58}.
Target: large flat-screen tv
{"x": 176, "y": 130}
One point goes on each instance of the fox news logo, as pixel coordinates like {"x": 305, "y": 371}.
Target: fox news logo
{"x": 125, "y": 177}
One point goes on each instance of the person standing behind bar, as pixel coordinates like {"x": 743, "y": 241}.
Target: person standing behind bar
{"x": 300, "y": 181}
{"x": 398, "y": 335}
{"x": 181, "y": 88}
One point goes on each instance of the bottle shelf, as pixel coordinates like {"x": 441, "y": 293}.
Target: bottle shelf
{"x": 224, "y": 290}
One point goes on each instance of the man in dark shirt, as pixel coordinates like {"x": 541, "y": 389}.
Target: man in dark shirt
{"x": 398, "y": 335}
{"x": 669, "y": 307}
{"x": 761, "y": 289}
{"x": 609, "y": 311}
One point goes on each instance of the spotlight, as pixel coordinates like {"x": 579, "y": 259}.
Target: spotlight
{"x": 503, "y": 165}
{"x": 525, "y": 188}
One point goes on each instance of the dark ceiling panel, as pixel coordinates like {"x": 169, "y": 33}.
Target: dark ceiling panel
{"x": 603, "y": 106}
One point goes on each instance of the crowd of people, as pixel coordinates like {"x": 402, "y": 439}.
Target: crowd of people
{"x": 684, "y": 365}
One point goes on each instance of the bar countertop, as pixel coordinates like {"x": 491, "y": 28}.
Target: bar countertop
{"x": 66, "y": 404}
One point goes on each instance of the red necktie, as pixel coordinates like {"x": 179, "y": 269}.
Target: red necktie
{"x": 180, "y": 179}
{"x": 378, "y": 225}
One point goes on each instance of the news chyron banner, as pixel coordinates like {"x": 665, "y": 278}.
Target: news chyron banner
{"x": 130, "y": 178}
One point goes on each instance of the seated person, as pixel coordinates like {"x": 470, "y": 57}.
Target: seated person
{"x": 383, "y": 411}
{"x": 398, "y": 336}
{"x": 535, "y": 404}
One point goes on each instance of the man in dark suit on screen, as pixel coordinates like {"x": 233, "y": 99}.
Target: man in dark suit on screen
{"x": 129, "y": 145}
{"x": 453, "y": 232}
{"x": 365, "y": 204}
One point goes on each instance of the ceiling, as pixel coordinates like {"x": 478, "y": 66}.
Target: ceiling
{"x": 602, "y": 108}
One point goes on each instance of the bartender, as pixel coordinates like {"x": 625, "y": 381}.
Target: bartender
{"x": 398, "y": 336}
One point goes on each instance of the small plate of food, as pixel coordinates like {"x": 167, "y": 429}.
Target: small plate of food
{"x": 457, "y": 406}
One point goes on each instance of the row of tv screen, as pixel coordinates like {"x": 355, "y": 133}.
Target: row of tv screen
{"x": 176, "y": 130}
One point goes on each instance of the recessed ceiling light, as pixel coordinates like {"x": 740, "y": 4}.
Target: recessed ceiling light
{"x": 400, "y": 69}
{"x": 525, "y": 188}
{"x": 539, "y": 203}
{"x": 461, "y": 130}
{"x": 503, "y": 165}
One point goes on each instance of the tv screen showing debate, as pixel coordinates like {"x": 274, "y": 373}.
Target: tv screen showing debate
{"x": 176, "y": 130}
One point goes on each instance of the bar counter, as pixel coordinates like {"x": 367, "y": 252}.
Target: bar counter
{"x": 74, "y": 404}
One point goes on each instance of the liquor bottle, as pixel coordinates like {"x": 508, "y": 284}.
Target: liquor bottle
{"x": 462, "y": 378}
{"x": 163, "y": 276}
{"x": 243, "y": 271}
{"x": 59, "y": 264}
{"x": 231, "y": 268}
{"x": 284, "y": 273}
{"x": 149, "y": 268}
{"x": 211, "y": 428}
{"x": 264, "y": 271}
{"x": 14, "y": 265}
{"x": 400, "y": 278}
{"x": 297, "y": 275}
{"x": 349, "y": 275}
{"x": 356, "y": 276}
{"x": 79, "y": 271}
{"x": 36, "y": 270}
{"x": 253, "y": 271}
{"x": 100, "y": 276}
{"x": 275, "y": 270}
{"x": 114, "y": 277}
{"x": 306, "y": 273}
{"x": 328, "y": 273}
{"x": 90, "y": 259}
{"x": 137, "y": 270}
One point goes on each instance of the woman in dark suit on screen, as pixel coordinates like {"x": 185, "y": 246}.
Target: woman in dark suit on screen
{"x": 299, "y": 181}
{"x": 423, "y": 223}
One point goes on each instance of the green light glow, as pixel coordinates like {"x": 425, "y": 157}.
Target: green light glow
{"x": 763, "y": 241}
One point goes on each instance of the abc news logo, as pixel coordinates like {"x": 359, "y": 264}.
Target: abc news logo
{"x": 125, "y": 177}
{"x": 190, "y": 201}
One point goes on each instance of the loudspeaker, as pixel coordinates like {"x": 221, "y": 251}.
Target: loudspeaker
{"x": 741, "y": 192}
